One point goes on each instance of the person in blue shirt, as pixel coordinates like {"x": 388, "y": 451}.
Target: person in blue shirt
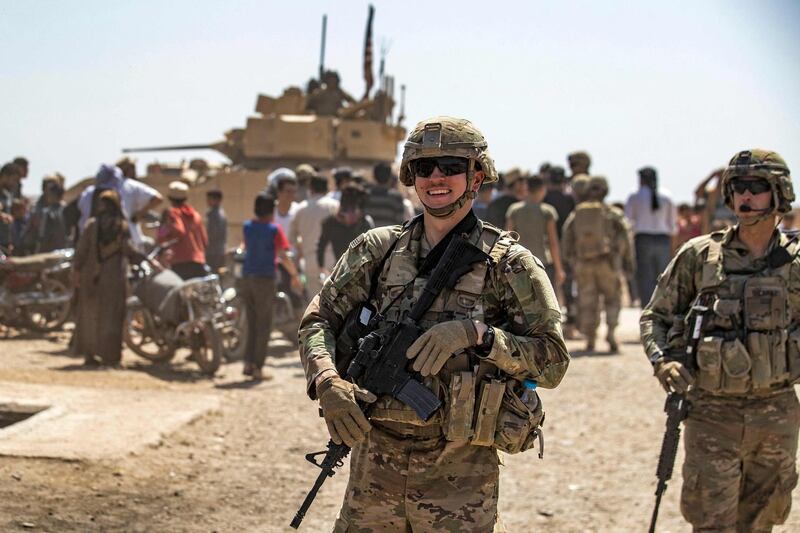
{"x": 265, "y": 244}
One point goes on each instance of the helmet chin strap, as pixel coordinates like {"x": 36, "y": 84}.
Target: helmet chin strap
{"x": 469, "y": 194}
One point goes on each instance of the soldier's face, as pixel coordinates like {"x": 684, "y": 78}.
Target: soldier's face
{"x": 439, "y": 190}
{"x": 755, "y": 203}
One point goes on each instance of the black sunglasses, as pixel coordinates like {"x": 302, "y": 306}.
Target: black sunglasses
{"x": 449, "y": 165}
{"x": 754, "y": 186}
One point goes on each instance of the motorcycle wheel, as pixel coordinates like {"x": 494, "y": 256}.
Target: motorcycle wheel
{"x": 139, "y": 337}
{"x": 235, "y": 338}
{"x": 205, "y": 342}
{"x": 48, "y": 317}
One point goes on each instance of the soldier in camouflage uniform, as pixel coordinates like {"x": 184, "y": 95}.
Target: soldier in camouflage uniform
{"x": 579, "y": 163}
{"x": 499, "y": 326}
{"x": 596, "y": 241}
{"x": 741, "y": 433}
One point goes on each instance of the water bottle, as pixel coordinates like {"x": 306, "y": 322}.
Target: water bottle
{"x": 529, "y": 396}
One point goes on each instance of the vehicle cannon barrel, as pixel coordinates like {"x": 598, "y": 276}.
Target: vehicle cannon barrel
{"x": 230, "y": 148}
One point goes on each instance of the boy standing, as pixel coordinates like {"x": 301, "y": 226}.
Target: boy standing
{"x": 263, "y": 241}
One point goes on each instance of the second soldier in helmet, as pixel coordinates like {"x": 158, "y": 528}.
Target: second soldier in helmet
{"x": 498, "y": 327}
{"x": 741, "y": 432}
{"x": 595, "y": 241}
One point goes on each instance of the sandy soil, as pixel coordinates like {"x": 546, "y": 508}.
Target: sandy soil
{"x": 242, "y": 469}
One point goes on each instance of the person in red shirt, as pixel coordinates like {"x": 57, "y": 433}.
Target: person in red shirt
{"x": 689, "y": 226}
{"x": 184, "y": 225}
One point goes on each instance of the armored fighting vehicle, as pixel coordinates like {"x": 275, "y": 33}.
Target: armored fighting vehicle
{"x": 286, "y": 131}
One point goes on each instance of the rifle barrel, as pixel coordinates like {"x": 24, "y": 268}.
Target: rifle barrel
{"x": 655, "y": 513}
{"x": 301, "y": 513}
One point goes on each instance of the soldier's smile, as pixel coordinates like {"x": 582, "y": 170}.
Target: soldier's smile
{"x": 440, "y": 190}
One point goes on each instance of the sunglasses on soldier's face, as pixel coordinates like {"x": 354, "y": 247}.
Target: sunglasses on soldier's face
{"x": 754, "y": 186}
{"x": 449, "y": 165}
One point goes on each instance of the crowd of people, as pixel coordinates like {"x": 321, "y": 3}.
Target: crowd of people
{"x": 27, "y": 228}
{"x": 589, "y": 249}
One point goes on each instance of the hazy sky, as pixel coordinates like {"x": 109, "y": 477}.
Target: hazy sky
{"x": 680, "y": 86}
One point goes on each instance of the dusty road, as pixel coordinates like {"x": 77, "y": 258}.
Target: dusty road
{"x": 242, "y": 468}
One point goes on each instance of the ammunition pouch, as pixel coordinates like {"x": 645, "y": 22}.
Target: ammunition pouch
{"x": 747, "y": 349}
{"x": 764, "y": 362}
{"x": 519, "y": 423}
{"x": 491, "y": 396}
{"x": 793, "y": 356}
{"x": 461, "y": 407}
{"x": 497, "y": 417}
{"x": 769, "y": 365}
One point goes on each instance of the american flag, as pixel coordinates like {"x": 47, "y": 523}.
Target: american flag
{"x": 368, "y": 79}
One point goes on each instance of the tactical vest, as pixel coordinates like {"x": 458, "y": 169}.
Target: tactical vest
{"x": 398, "y": 290}
{"x": 746, "y": 348}
{"x": 591, "y": 236}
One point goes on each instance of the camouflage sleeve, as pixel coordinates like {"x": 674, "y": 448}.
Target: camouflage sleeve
{"x": 675, "y": 291}
{"x": 522, "y": 308}
{"x": 568, "y": 240}
{"x": 347, "y": 287}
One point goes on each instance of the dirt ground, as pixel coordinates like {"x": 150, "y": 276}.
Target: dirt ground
{"x": 242, "y": 468}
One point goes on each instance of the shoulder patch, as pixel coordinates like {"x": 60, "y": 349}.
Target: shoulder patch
{"x": 358, "y": 240}
{"x": 519, "y": 258}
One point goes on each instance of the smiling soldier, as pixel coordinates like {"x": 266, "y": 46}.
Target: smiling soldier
{"x": 487, "y": 342}
{"x": 741, "y": 432}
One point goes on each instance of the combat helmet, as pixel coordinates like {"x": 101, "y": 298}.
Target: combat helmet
{"x": 759, "y": 163}
{"x": 580, "y": 184}
{"x": 448, "y": 136}
{"x": 597, "y": 187}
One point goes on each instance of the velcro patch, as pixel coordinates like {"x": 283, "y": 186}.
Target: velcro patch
{"x": 358, "y": 240}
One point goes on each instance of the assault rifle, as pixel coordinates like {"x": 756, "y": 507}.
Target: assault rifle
{"x": 677, "y": 408}
{"x": 380, "y": 363}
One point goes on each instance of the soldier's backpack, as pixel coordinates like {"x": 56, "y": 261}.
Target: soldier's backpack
{"x": 591, "y": 236}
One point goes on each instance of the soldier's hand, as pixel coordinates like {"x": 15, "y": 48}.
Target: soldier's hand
{"x": 434, "y": 347}
{"x": 673, "y": 376}
{"x": 345, "y": 419}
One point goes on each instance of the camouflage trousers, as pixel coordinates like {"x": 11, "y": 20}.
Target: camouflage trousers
{"x": 740, "y": 462}
{"x": 596, "y": 278}
{"x": 405, "y": 485}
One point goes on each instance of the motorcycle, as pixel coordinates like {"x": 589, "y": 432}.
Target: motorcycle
{"x": 166, "y": 313}
{"x": 35, "y": 291}
{"x": 285, "y": 313}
